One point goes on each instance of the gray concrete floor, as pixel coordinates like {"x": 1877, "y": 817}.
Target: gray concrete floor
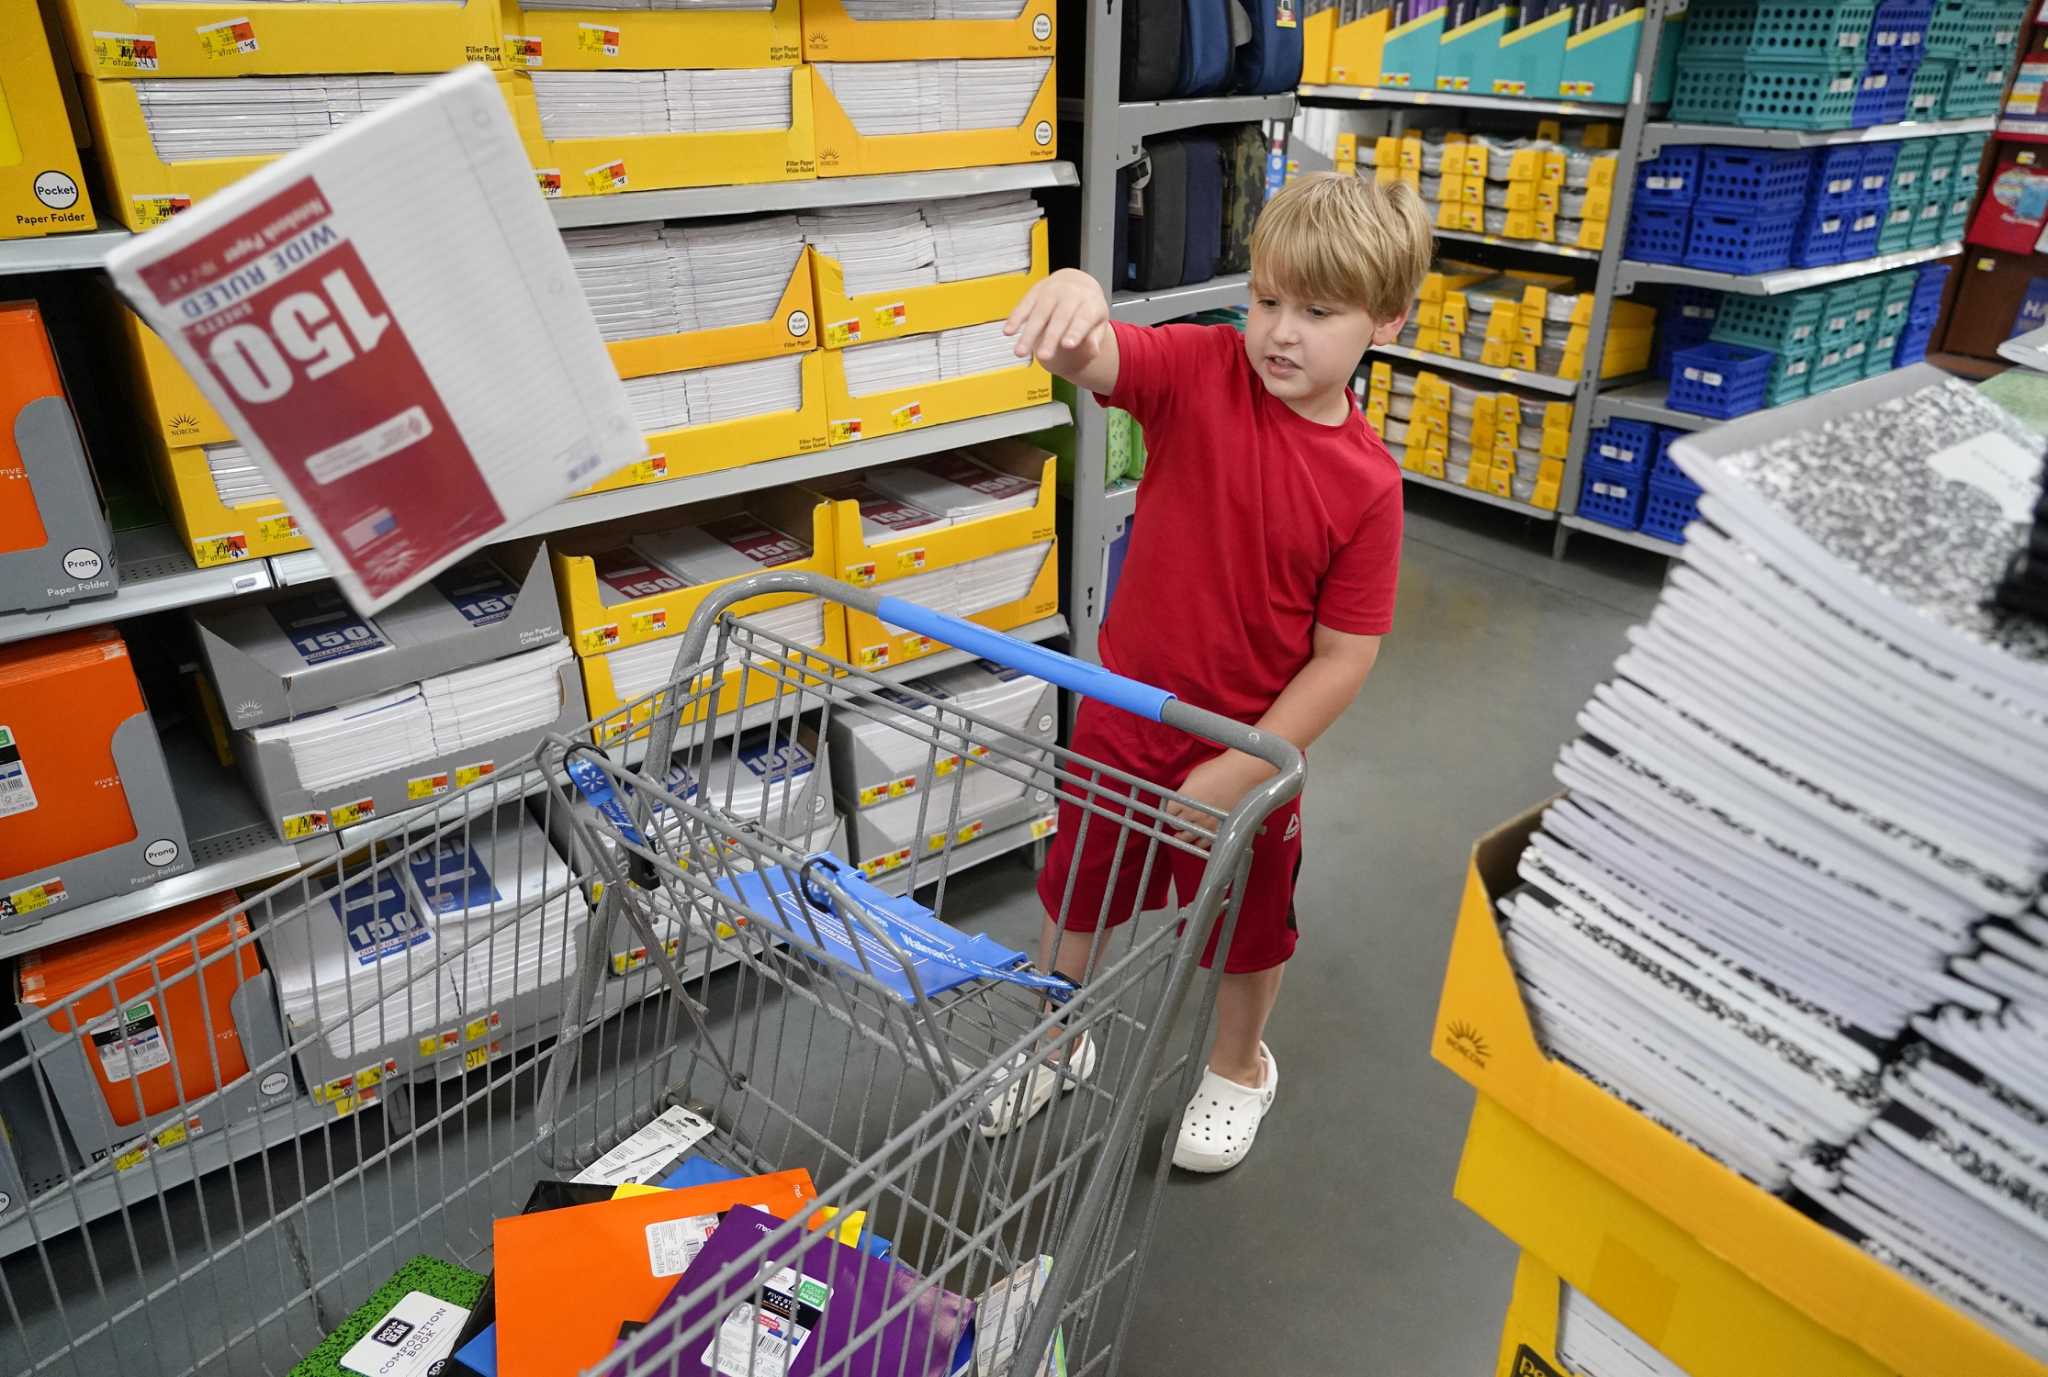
{"x": 1336, "y": 1248}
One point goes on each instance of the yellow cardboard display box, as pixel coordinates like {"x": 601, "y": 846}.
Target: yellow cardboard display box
{"x": 172, "y": 402}
{"x": 595, "y": 629}
{"x": 791, "y": 328}
{"x": 721, "y": 445}
{"x": 877, "y": 564}
{"x": 213, "y": 532}
{"x": 843, "y": 151}
{"x": 1723, "y": 1278}
{"x": 597, "y": 40}
{"x": 117, "y": 38}
{"x": 655, "y": 162}
{"x": 927, "y": 404}
{"x": 40, "y": 187}
{"x": 863, "y": 319}
{"x": 833, "y": 35}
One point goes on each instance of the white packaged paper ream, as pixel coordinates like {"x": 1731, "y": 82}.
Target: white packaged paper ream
{"x": 388, "y": 321}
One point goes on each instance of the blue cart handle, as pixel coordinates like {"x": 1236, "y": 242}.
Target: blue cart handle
{"x": 1092, "y": 681}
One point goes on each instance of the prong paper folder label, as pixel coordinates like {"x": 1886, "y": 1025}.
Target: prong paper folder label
{"x": 389, "y": 322}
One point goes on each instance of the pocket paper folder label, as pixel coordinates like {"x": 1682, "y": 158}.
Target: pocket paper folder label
{"x": 388, "y": 320}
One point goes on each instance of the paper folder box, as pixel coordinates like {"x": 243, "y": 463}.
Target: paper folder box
{"x": 299, "y": 814}
{"x": 855, "y": 418}
{"x": 790, "y": 328}
{"x": 843, "y": 151}
{"x": 171, "y": 401}
{"x": 873, "y": 643}
{"x": 655, "y": 162}
{"x": 40, "y": 187}
{"x": 144, "y": 191}
{"x": 55, "y": 547}
{"x": 567, "y": 1279}
{"x": 733, "y": 444}
{"x": 833, "y": 35}
{"x": 1318, "y": 32}
{"x": 293, "y": 652}
{"x": 153, "y": 1040}
{"x": 215, "y": 532}
{"x": 848, "y": 319}
{"x": 593, "y": 40}
{"x": 88, "y": 807}
{"x": 1528, "y": 1336}
{"x": 1720, "y": 1276}
{"x": 117, "y": 38}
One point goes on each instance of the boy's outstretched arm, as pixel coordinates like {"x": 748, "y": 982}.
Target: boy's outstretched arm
{"x": 1063, "y": 322}
{"x": 1313, "y": 699}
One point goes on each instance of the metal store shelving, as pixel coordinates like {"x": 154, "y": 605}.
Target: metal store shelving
{"x": 1634, "y": 274}
{"x": 1635, "y": 538}
{"x": 1150, "y": 308}
{"x": 1501, "y": 241}
{"x": 1658, "y": 133}
{"x": 1506, "y": 504}
{"x": 1464, "y": 100}
{"x": 156, "y": 575}
{"x": 1512, "y": 377}
{"x": 1644, "y": 401}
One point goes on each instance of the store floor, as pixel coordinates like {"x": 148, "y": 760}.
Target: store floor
{"x": 1337, "y": 1248}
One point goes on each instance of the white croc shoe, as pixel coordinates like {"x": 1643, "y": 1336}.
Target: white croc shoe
{"x": 1223, "y": 1119}
{"x": 1036, "y": 1082}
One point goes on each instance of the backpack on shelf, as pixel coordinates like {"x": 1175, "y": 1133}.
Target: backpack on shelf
{"x": 1268, "y": 61}
{"x": 1244, "y": 194}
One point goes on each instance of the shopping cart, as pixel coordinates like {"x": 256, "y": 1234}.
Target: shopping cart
{"x": 659, "y": 934}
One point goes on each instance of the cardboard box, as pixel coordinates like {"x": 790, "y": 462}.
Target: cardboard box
{"x": 171, "y": 402}
{"x": 86, "y": 809}
{"x": 844, "y": 151}
{"x": 154, "y": 1040}
{"x": 41, "y": 187}
{"x": 304, "y": 650}
{"x": 55, "y": 547}
{"x": 1996, "y": 296}
{"x": 872, "y": 316}
{"x": 923, "y": 748}
{"x": 645, "y": 40}
{"x": 872, "y": 643}
{"x": 117, "y": 38}
{"x": 791, "y": 328}
{"x": 734, "y": 444}
{"x": 1528, "y": 1336}
{"x": 298, "y": 813}
{"x": 928, "y": 404}
{"x": 833, "y": 35}
{"x": 1718, "y": 1275}
{"x": 215, "y": 532}
{"x": 654, "y": 162}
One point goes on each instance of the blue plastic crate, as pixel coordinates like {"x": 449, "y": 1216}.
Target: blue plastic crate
{"x": 1837, "y": 173}
{"x": 1933, "y": 279}
{"x": 1753, "y": 180}
{"x": 1882, "y": 98}
{"x": 1668, "y": 508}
{"x": 1912, "y": 346}
{"x": 1658, "y": 234}
{"x": 1740, "y": 243}
{"x": 1685, "y": 318}
{"x": 1670, "y": 178}
{"x": 1663, "y": 469}
{"x": 1611, "y": 496}
{"x": 1822, "y": 234}
{"x": 1874, "y": 177}
{"x": 1898, "y": 34}
{"x": 1866, "y": 223}
{"x": 1719, "y": 380}
{"x": 1629, "y": 445}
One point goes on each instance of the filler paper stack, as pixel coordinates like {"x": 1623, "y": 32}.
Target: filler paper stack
{"x": 892, "y": 365}
{"x": 935, "y": 95}
{"x": 664, "y": 280}
{"x": 891, "y": 247}
{"x": 236, "y": 476}
{"x": 1593, "y": 1343}
{"x": 704, "y": 396}
{"x": 1817, "y": 768}
{"x": 386, "y": 319}
{"x": 934, "y": 9}
{"x": 960, "y": 488}
{"x": 651, "y": 5}
{"x": 603, "y": 105}
{"x": 249, "y": 117}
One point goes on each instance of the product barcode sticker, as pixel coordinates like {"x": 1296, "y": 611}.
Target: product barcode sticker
{"x": 764, "y": 1340}
{"x": 228, "y": 38}
{"x": 1710, "y": 379}
{"x": 673, "y": 1244}
{"x": 129, "y": 1042}
{"x": 125, "y": 52}
{"x": 523, "y": 49}
{"x": 17, "y": 795}
{"x": 598, "y": 38}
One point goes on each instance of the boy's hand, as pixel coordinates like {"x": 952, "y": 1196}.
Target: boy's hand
{"x": 1219, "y": 782}
{"x": 1063, "y": 322}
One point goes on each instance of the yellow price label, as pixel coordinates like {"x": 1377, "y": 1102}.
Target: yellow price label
{"x": 606, "y": 178}
{"x": 299, "y": 826}
{"x": 970, "y": 832}
{"x": 429, "y": 1045}
{"x": 862, "y": 575}
{"x": 475, "y": 1057}
{"x": 907, "y": 415}
{"x": 913, "y": 558}
{"x": 549, "y": 180}
{"x": 466, "y": 775}
{"x": 523, "y": 49}
{"x": 349, "y": 814}
{"x": 170, "y": 1135}
{"x": 36, "y": 896}
{"x": 598, "y": 38}
{"x": 946, "y": 765}
{"x": 283, "y": 526}
{"x": 220, "y": 549}
{"x": 652, "y": 469}
{"x": 475, "y": 1029}
{"x": 893, "y": 316}
{"x": 125, "y": 52}
{"x": 133, "y": 1156}
{"x": 1041, "y": 828}
{"x": 846, "y": 430}
{"x": 229, "y": 38}
{"x": 839, "y": 333}
{"x": 426, "y": 786}
{"x": 653, "y": 622}
{"x": 872, "y": 656}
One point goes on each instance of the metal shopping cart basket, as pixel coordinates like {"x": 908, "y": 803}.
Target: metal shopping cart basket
{"x": 636, "y": 947}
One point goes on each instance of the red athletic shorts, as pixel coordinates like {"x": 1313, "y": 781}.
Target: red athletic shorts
{"x": 1265, "y": 932}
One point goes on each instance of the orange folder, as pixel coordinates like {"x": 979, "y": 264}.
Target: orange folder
{"x": 28, "y": 371}
{"x": 567, "y": 1279}
{"x": 61, "y": 697}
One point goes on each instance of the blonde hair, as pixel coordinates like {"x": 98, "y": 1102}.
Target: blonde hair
{"x": 1329, "y": 237}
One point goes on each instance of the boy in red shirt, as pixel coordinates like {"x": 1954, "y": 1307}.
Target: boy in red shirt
{"x": 1259, "y": 580}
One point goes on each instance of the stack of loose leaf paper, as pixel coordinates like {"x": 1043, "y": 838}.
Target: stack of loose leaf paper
{"x": 892, "y": 247}
{"x": 603, "y": 105}
{"x": 1817, "y": 770}
{"x": 663, "y": 402}
{"x": 652, "y": 5}
{"x": 934, "y": 9}
{"x": 236, "y": 479}
{"x": 935, "y": 95}
{"x": 1593, "y": 1343}
{"x": 247, "y": 117}
{"x": 919, "y": 360}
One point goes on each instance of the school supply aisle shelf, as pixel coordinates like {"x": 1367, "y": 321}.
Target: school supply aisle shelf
{"x": 1501, "y": 241}
{"x": 1640, "y": 539}
{"x": 1644, "y": 401}
{"x": 1141, "y": 119}
{"x": 1466, "y": 100}
{"x": 1506, "y": 504}
{"x": 59, "y": 252}
{"x": 986, "y": 847}
{"x": 1634, "y": 274}
{"x": 156, "y": 575}
{"x": 1658, "y": 133}
{"x": 1514, "y": 377}
{"x": 1171, "y": 303}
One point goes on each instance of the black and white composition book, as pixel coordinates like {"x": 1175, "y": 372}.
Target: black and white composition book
{"x": 1791, "y": 905}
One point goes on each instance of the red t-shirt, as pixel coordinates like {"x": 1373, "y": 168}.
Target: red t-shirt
{"x": 1253, "y": 524}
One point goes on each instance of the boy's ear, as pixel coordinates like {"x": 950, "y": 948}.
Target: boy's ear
{"x": 1387, "y": 331}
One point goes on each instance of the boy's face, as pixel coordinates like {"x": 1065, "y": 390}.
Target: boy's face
{"x": 1307, "y": 351}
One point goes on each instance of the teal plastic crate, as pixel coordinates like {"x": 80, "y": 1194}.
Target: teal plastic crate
{"x": 1664, "y": 76}
{"x": 1971, "y": 29}
{"x": 1719, "y": 30}
{"x": 1812, "y": 31}
{"x": 1975, "y": 87}
{"x": 1883, "y": 345}
{"x": 1409, "y": 55}
{"x": 1895, "y": 296}
{"x": 1791, "y": 377}
{"x": 1910, "y": 171}
{"x": 1705, "y": 91}
{"x": 1897, "y": 232}
{"x": 1848, "y": 310}
{"x": 1777, "y": 94}
{"x": 1786, "y": 324}
{"x": 1927, "y": 222}
{"x": 1930, "y": 89}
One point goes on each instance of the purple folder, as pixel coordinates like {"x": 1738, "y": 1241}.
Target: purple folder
{"x": 814, "y": 1304}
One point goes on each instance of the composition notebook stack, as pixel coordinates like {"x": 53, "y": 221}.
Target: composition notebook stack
{"x": 1792, "y": 906}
